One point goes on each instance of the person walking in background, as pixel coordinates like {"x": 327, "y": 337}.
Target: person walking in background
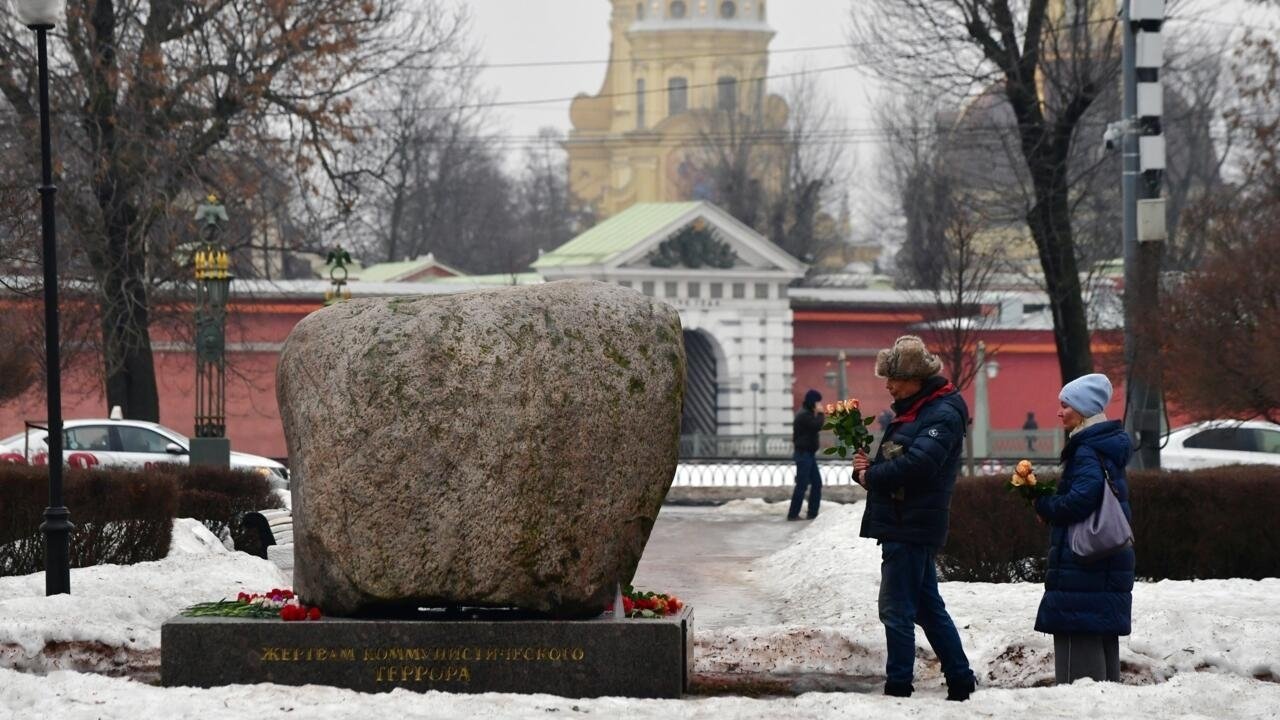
{"x": 909, "y": 487}
{"x": 804, "y": 435}
{"x": 1086, "y": 606}
{"x": 1031, "y": 426}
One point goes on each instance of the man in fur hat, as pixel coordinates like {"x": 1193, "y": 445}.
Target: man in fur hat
{"x": 909, "y": 485}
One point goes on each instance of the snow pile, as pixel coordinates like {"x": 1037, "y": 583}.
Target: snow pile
{"x": 752, "y": 506}
{"x": 826, "y": 583}
{"x": 111, "y": 622}
{"x": 77, "y": 696}
{"x": 1209, "y": 640}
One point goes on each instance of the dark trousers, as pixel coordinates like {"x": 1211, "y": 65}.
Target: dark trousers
{"x": 1086, "y": 656}
{"x": 909, "y": 597}
{"x": 807, "y": 477}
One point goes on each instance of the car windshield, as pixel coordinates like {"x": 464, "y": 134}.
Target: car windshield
{"x": 182, "y": 439}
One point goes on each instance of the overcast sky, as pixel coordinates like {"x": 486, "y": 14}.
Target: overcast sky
{"x": 523, "y": 31}
{"x": 555, "y": 30}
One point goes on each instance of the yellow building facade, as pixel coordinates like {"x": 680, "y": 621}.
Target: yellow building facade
{"x": 671, "y": 63}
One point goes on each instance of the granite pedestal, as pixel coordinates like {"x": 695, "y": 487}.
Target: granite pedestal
{"x": 571, "y": 658}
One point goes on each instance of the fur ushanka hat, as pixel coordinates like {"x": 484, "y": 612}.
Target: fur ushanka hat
{"x": 908, "y": 359}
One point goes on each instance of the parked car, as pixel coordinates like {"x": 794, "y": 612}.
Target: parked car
{"x": 1222, "y": 442}
{"x": 125, "y": 444}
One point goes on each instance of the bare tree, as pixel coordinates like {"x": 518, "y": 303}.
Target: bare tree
{"x": 152, "y": 102}
{"x": 546, "y": 218}
{"x": 962, "y": 295}
{"x": 1220, "y": 321}
{"x": 1048, "y": 63}
{"x": 17, "y": 362}
{"x": 817, "y": 168}
{"x": 1194, "y": 99}
{"x": 777, "y": 167}
{"x": 913, "y": 165}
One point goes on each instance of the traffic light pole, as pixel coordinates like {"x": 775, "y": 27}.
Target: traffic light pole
{"x": 1144, "y": 235}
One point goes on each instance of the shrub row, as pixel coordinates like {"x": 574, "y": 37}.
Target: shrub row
{"x": 120, "y": 516}
{"x": 1212, "y": 523}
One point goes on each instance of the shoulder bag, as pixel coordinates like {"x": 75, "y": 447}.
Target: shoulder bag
{"x": 1106, "y": 531}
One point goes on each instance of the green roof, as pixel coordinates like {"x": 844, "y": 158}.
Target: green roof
{"x": 618, "y": 233}
{"x": 391, "y": 271}
{"x": 383, "y": 272}
{"x": 498, "y": 279}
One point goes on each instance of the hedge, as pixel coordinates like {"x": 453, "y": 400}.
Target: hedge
{"x": 121, "y": 516}
{"x": 218, "y": 496}
{"x": 1212, "y": 523}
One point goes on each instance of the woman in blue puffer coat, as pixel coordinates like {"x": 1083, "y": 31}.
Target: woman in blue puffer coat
{"x": 1086, "y": 605}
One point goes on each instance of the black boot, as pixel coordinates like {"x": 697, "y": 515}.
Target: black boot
{"x": 960, "y": 690}
{"x": 894, "y": 689}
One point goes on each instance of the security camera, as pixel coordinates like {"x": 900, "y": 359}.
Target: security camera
{"x": 1113, "y": 135}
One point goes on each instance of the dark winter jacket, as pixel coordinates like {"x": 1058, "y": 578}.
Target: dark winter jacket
{"x": 909, "y": 494}
{"x": 1087, "y": 598}
{"x": 804, "y": 432}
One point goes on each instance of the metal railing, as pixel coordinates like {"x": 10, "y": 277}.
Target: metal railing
{"x": 730, "y": 472}
{"x": 743, "y": 446}
{"x": 1004, "y": 445}
{"x": 1030, "y": 444}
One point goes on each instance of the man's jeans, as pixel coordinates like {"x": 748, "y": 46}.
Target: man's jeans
{"x": 909, "y": 597}
{"x": 807, "y": 475}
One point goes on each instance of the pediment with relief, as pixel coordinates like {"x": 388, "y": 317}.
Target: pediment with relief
{"x": 704, "y": 244}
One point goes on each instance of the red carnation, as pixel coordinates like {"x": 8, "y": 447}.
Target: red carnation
{"x": 313, "y": 613}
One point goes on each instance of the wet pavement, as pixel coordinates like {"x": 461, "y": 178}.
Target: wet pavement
{"x": 704, "y": 556}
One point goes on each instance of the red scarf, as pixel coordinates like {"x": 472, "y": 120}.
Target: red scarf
{"x": 914, "y": 410}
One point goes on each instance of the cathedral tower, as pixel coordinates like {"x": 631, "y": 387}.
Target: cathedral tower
{"x": 670, "y": 62}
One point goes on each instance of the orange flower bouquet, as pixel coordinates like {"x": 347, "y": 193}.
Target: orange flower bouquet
{"x": 1024, "y": 482}
{"x": 844, "y": 418}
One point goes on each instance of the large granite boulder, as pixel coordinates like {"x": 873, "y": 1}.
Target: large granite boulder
{"x": 498, "y": 448}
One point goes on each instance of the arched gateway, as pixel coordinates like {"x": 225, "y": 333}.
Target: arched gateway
{"x": 701, "y": 391}
{"x": 729, "y": 284}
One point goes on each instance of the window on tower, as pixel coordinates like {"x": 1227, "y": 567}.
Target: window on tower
{"x": 677, "y": 95}
{"x": 728, "y": 9}
{"x": 678, "y": 9}
{"x": 639, "y": 104}
{"x": 639, "y": 11}
{"x": 728, "y": 94}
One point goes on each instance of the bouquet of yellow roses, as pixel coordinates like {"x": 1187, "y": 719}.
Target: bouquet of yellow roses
{"x": 844, "y": 418}
{"x": 1024, "y": 482}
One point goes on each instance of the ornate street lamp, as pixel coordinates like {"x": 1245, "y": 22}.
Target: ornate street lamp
{"x": 338, "y": 291}
{"x": 41, "y": 16}
{"x": 213, "y": 284}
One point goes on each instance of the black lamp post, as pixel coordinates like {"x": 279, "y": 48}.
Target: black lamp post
{"x": 210, "y": 445}
{"x": 41, "y": 16}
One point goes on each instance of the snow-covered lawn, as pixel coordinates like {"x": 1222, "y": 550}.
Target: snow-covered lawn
{"x": 111, "y": 621}
{"x": 1196, "y": 650}
{"x": 826, "y": 583}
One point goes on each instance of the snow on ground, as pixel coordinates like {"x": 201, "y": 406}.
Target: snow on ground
{"x": 826, "y": 582}
{"x": 76, "y": 696}
{"x": 1196, "y": 651}
{"x": 111, "y": 621}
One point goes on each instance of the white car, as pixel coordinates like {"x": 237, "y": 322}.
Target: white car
{"x": 126, "y": 444}
{"x": 1222, "y": 442}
